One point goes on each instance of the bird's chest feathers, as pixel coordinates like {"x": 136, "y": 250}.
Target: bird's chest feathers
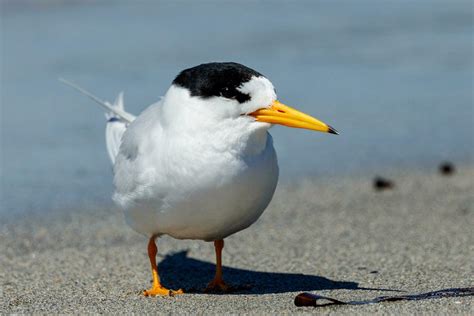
{"x": 214, "y": 156}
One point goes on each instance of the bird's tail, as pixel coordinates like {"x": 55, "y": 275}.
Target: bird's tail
{"x": 116, "y": 126}
{"x": 117, "y": 119}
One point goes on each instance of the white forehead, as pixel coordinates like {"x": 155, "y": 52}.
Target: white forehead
{"x": 261, "y": 91}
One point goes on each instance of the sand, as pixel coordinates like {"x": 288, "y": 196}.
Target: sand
{"x": 332, "y": 236}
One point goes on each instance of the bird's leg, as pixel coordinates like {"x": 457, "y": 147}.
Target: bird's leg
{"x": 218, "y": 283}
{"x": 157, "y": 288}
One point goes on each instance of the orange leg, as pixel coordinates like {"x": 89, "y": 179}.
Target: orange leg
{"x": 218, "y": 283}
{"x": 157, "y": 288}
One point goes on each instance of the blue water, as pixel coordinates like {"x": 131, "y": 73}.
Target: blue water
{"x": 394, "y": 77}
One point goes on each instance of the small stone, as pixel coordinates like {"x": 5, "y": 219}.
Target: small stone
{"x": 380, "y": 184}
{"x": 447, "y": 168}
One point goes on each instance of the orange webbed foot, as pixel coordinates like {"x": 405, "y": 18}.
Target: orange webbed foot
{"x": 161, "y": 291}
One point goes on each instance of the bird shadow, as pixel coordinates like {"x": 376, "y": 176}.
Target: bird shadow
{"x": 179, "y": 271}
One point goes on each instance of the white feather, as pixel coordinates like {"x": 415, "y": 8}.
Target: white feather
{"x": 120, "y": 112}
{"x": 117, "y": 119}
{"x": 114, "y": 129}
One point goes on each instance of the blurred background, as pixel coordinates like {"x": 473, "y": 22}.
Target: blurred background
{"x": 394, "y": 77}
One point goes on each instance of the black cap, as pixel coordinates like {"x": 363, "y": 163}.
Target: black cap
{"x": 217, "y": 80}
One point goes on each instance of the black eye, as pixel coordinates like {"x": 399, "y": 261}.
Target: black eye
{"x": 227, "y": 93}
{"x": 233, "y": 93}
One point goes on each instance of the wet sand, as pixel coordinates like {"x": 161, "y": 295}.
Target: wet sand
{"x": 336, "y": 237}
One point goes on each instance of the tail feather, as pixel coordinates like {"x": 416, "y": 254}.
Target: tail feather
{"x": 115, "y": 110}
{"x": 113, "y": 131}
{"x": 117, "y": 119}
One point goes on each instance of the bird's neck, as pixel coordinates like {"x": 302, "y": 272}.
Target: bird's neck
{"x": 192, "y": 119}
{"x": 236, "y": 137}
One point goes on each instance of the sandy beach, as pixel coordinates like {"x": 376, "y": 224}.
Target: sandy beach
{"x": 336, "y": 237}
{"x": 393, "y": 77}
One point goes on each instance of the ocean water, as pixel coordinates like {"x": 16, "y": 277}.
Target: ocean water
{"x": 394, "y": 77}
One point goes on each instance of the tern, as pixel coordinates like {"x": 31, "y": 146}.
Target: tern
{"x": 200, "y": 163}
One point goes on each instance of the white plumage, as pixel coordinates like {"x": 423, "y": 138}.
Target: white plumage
{"x": 189, "y": 167}
{"x": 186, "y": 171}
{"x": 200, "y": 163}
{"x": 115, "y": 128}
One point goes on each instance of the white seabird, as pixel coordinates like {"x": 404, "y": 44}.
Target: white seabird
{"x": 200, "y": 163}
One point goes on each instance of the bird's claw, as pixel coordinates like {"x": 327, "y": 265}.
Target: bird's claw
{"x": 217, "y": 286}
{"x": 161, "y": 291}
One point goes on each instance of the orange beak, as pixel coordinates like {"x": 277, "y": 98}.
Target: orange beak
{"x": 278, "y": 113}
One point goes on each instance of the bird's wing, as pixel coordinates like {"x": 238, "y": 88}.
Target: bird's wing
{"x": 139, "y": 161}
{"x": 127, "y": 117}
{"x": 117, "y": 119}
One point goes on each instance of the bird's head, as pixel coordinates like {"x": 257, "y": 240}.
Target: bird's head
{"x": 231, "y": 91}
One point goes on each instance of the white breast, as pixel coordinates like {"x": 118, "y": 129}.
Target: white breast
{"x": 203, "y": 185}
